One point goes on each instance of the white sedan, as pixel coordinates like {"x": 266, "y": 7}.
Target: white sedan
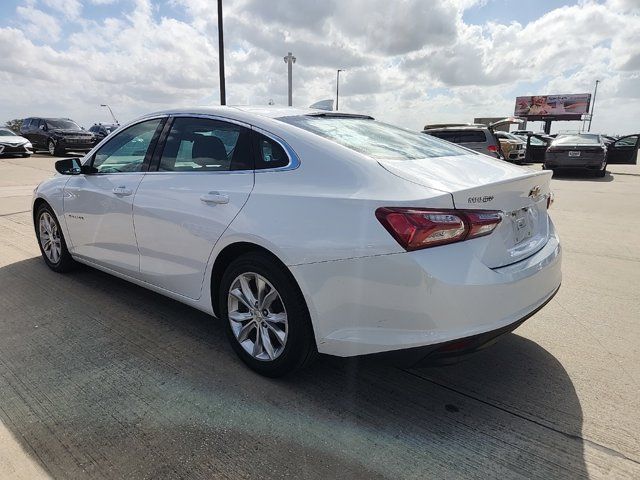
{"x": 309, "y": 231}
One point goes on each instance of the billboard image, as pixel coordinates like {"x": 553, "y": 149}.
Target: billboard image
{"x": 553, "y": 107}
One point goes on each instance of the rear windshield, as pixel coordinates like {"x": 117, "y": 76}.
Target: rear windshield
{"x": 460, "y": 136}
{"x": 577, "y": 140}
{"x": 375, "y": 139}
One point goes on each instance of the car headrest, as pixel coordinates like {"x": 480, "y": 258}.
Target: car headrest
{"x": 207, "y": 150}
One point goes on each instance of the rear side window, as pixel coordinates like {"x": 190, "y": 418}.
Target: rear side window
{"x": 448, "y": 136}
{"x": 205, "y": 145}
{"x": 471, "y": 136}
{"x": 269, "y": 153}
{"x": 375, "y": 139}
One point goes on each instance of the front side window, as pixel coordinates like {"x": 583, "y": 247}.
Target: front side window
{"x": 375, "y": 139}
{"x": 471, "y": 136}
{"x": 205, "y": 145}
{"x": 126, "y": 151}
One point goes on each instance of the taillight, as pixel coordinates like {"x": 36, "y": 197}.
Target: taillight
{"x": 492, "y": 148}
{"x": 416, "y": 228}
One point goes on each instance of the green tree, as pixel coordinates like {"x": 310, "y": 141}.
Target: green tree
{"x": 14, "y": 125}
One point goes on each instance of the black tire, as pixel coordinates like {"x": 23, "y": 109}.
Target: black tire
{"x": 300, "y": 347}
{"x": 53, "y": 149}
{"x": 601, "y": 173}
{"x": 65, "y": 263}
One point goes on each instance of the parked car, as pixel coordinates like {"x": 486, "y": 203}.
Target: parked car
{"x": 624, "y": 150}
{"x": 513, "y": 148}
{"x": 56, "y": 135}
{"x": 577, "y": 150}
{"x": 478, "y": 137}
{"x": 101, "y": 130}
{"x": 14, "y": 145}
{"x": 307, "y": 231}
{"x": 535, "y": 146}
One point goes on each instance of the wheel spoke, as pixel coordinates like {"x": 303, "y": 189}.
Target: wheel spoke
{"x": 277, "y": 317}
{"x": 257, "y": 346}
{"x": 238, "y": 295}
{"x": 280, "y": 335}
{"x": 266, "y": 343}
{"x": 244, "y": 332}
{"x": 261, "y": 287}
{"x": 246, "y": 291}
{"x": 268, "y": 299}
{"x": 240, "y": 317}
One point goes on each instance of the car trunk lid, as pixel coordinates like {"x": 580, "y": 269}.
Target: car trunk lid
{"x": 478, "y": 182}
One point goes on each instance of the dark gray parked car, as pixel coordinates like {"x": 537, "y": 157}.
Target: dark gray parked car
{"x": 56, "y": 135}
{"x": 578, "y": 150}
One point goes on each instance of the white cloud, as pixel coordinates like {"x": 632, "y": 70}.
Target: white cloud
{"x": 407, "y": 61}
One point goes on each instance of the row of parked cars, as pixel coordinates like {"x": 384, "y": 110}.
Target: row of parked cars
{"x": 55, "y": 135}
{"x": 568, "y": 150}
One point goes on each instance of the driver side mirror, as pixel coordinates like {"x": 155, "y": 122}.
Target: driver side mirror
{"x": 69, "y": 166}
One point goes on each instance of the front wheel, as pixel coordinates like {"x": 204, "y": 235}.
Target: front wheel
{"x": 601, "y": 173}
{"x": 51, "y": 240}
{"x": 265, "y": 316}
{"x": 53, "y": 149}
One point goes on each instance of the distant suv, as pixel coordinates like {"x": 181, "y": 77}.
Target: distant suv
{"x": 57, "y": 135}
{"x": 101, "y": 130}
{"x": 474, "y": 136}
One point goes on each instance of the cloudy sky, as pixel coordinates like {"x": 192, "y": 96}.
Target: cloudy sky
{"x": 409, "y": 62}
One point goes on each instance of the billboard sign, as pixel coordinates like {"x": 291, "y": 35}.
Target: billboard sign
{"x": 553, "y": 107}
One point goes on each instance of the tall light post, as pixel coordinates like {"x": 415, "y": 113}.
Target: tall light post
{"x": 593, "y": 105}
{"x": 290, "y": 60}
{"x": 115, "y": 120}
{"x": 223, "y": 90}
{"x": 338, "y": 86}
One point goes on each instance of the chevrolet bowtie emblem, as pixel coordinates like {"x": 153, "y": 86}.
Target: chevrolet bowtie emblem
{"x": 534, "y": 192}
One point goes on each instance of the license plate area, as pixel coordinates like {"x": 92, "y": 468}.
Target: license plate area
{"x": 522, "y": 224}
{"x": 574, "y": 153}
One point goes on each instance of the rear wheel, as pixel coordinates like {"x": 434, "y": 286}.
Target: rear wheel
{"x": 51, "y": 240}
{"x": 601, "y": 173}
{"x": 265, "y": 316}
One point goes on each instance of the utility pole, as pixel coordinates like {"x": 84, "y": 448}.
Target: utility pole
{"x": 290, "y": 60}
{"x": 593, "y": 105}
{"x": 338, "y": 86}
{"x": 115, "y": 120}
{"x": 223, "y": 90}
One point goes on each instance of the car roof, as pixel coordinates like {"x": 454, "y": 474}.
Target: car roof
{"x": 466, "y": 126}
{"x": 247, "y": 113}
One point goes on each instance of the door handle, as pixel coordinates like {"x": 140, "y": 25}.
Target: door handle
{"x": 215, "y": 197}
{"x": 122, "y": 191}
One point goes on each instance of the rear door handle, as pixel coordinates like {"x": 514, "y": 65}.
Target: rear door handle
{"x": 215, "y": 197}
{"x": 122, "y": 191}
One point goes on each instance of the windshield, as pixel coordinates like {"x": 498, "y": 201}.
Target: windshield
{"x": 577, "y": 140}
{"x": 6, "y": 132}
{"x": 375, "y": 139}
{"x": 63, "y": 124}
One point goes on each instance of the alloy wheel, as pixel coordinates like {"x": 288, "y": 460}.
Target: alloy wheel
{"x": 50, "y": 239}
{"x": 52, "y": 147}
{"x": 257, "y": 316}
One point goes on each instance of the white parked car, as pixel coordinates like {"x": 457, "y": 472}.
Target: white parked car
{"x": 309, "y": 231}
{"x": 14, "y": 145}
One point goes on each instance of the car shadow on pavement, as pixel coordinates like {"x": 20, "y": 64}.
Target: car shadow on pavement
{"x": 100, "y": 378}
{"x": 581, "y": 175}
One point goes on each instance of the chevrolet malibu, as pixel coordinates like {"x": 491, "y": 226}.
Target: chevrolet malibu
{"x": 309, "y": 232}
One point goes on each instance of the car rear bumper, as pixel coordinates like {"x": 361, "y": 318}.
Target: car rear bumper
{"x": 585, "y": 161}
{"x": 423, "y": 298}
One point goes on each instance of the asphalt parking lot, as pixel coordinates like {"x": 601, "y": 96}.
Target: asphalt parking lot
{"x": 103, "y": 379}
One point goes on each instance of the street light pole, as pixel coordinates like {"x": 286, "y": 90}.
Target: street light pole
{"x": 223, "y": 92}
{"x": 115, "y": 120}
{"x": 593, "y": 105}
{"x": 290, "y": 60}
{"x": 338, "y": 86}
